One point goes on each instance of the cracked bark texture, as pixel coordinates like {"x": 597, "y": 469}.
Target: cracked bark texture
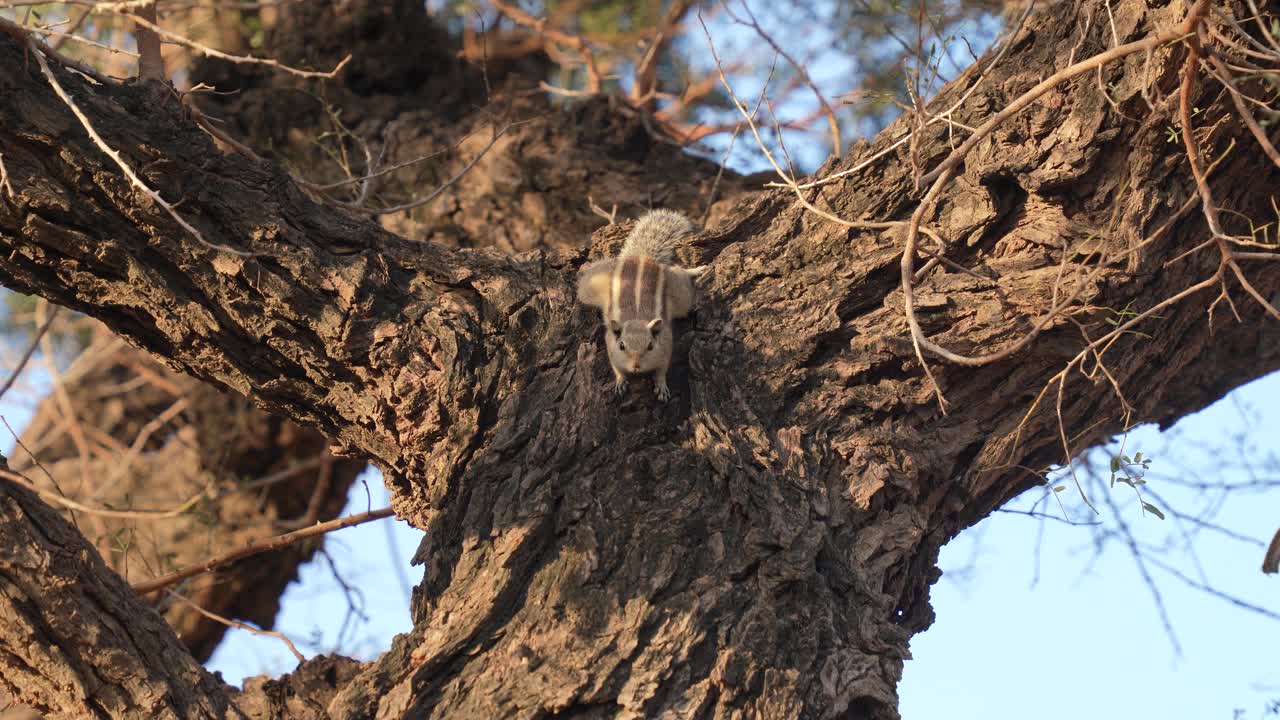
{"x": 763, "y": 545}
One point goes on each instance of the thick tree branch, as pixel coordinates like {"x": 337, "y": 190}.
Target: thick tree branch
{"x": 310, "y": 323}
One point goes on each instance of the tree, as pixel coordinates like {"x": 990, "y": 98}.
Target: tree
{"x": 763, "y": 545}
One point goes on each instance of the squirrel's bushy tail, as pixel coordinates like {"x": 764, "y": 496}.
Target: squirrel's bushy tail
{"x": 656, "y": 234}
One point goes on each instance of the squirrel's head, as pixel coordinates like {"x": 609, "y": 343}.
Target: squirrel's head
{"x": 634, "y": 341}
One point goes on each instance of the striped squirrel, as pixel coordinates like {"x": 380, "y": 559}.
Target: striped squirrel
{"x": 639, "y": 293}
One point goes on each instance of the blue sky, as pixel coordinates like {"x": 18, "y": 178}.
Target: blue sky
{"x": 1087, "y": 638}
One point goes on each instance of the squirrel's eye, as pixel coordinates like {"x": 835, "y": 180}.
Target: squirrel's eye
{"x": 650, "y": 344}
{"x": 621, "y": 345}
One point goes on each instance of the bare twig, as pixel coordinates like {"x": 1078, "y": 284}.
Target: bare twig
{"x": 1044, "y": 86}
{"x": 1140, "y": 560}
{"x": 238, "y": 59}
{"x": 239, "y": 625}
{"x": 139, "y": 441}
{"x": 71, "y": 29}
{"x": 24, "y": 35}
{"x": 942, "y": 174}
{"x": 91, "y": 510}
{"x": 521, "y": 17}
{"x": 611, "y": 215}
{"x": 435, "y": 193}
{"x": 1245, "y": 115}
{"x": 119, "y": 160}
{"x": 715, "y": 185}
{"x": 52, "y": 480}
{"x": 386, "y": 170}
{"x": 63, "y": 36}
{"x": 645, "y": 87}
{"x": 31, "y": 347}
{"x": 1047, "y": 516}
{"x": 1271, "y": 561}
{"x": 258, "y": 547}
{"x": 800, "y": 68}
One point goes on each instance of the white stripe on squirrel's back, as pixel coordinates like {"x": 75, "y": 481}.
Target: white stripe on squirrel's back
{"x": 636, "y": 290}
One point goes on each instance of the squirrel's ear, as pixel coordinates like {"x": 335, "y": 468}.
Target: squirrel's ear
{"x": 655, "y": 326}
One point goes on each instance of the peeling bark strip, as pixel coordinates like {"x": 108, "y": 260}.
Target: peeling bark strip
{"x": 763, "y": 545}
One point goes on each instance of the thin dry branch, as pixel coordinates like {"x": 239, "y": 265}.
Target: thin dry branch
{"x": 139, "y": 441}
{"x": 239, "y": 625}
{"x": 1271, "y": 561}
{"x": 119, "y": 160}
{"x": 445, "y": 186}
{"x": 24, "y": 36}
{"x": 1044, "y": 86}
{"x": 207, "y": 51}
{"x": 1207, "y": 204}
{"x": 5, "y": 186}
{"x": 799, "y": 68}
{"x": 645, "y": 87}
{"x": 944, "y": 116}
{"x": 521, "y": 17}
{"x": 35, "y": 340}
{"x": 258, "y": 547}
{"x": 71, "y": 29}
{"x": 1246, "y": 116}
{"x": 790, "y": 182}
{"x": 85, "y": 41}
{"x": 90, "y": 510}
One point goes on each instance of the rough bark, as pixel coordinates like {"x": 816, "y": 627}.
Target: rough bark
{"x": 763, "y": 545}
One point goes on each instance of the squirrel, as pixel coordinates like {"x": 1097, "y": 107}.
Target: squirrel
{"x": 639, "y": 293}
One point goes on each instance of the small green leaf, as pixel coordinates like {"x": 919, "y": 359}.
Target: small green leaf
{"x": 1137, "y": 457}
{"x": 1059, "y": 488}
{"x": 1115, "y": 464}
{"x": 1152, "y": 509}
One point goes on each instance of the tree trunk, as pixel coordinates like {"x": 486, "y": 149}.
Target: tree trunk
{"x": 762, "y": 545}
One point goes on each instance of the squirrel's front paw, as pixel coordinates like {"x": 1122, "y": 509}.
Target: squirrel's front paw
{"x": 664, "y": 393}
{"x": 619, "y": 387}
